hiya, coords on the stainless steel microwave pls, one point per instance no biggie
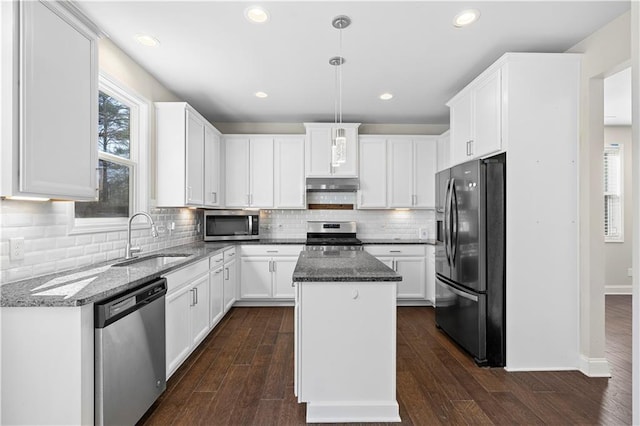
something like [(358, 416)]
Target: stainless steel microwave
[(223, 225)]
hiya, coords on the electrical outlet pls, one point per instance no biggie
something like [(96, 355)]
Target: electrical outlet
[(16, 248), (423, 233), (629, 272)]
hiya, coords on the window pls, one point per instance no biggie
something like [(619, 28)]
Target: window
[(613, 223), (122, 160)]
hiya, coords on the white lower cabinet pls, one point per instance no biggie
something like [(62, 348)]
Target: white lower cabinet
[(230, 279), (431, 274), (216, 289), (187, 315), (266, 271), (410, 261)]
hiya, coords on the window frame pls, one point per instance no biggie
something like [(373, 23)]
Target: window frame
[(619, 149), (138, 161)]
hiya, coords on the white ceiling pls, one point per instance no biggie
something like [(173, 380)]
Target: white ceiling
[(213, 58), (617, 99)]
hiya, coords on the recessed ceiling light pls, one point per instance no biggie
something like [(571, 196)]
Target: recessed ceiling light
[(261, 95), (256, 14), (386, 96), (147, 40), (466, 17)]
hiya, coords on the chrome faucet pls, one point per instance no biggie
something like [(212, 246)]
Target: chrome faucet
[(130, 251)]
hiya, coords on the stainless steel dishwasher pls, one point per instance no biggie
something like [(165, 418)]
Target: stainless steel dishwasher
[(129, 353)]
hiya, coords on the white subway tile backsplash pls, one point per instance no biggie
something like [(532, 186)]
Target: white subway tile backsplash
[(49, 247)]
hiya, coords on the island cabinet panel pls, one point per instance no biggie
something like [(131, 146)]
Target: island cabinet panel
[(346, 351)]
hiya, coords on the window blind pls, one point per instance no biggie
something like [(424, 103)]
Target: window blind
[(613, 193)]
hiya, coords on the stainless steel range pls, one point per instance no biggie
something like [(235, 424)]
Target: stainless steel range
[(332, 236)]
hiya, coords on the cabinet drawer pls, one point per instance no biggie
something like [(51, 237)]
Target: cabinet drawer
[(272, 250), (395, 250), (229, 254), (216, 260), (176, 279)]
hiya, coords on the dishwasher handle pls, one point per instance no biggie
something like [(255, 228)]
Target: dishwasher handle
[(111, 310)]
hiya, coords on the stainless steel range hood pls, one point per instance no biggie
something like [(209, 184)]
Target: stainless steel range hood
[(333, 184)]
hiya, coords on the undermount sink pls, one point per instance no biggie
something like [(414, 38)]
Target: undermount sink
[(154, 259)]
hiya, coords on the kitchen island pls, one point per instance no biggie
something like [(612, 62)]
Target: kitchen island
[(345, 337)]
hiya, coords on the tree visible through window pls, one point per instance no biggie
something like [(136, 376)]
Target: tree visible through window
[(115, 168)]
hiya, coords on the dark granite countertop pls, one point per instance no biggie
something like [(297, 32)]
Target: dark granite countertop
[(380, 241), (99, 281), (342, 266)]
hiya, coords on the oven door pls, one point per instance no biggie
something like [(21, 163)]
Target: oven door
[(461, 314), (230, 227)]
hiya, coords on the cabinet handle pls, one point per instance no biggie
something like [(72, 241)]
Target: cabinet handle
[(272, 251), (232, 254), (248, 200), (193, 298), (395, 251), (189, 193), (270, 266), (195, 290), (218, 271), (215, 197), (470, 147), (226, 274), (274, 266)]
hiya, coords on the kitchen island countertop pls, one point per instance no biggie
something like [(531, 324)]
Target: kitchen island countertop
[(341, 266)]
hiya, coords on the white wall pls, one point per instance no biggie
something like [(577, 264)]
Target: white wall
[(605, 51), (618, 254), (635, 49)]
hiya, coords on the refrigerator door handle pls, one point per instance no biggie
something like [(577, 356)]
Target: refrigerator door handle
[(454, 224), (462, 293), (447, 221)]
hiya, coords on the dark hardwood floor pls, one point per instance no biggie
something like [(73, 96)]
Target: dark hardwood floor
[(242, 374)]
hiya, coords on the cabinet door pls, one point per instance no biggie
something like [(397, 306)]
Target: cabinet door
[(59, 101), (178, 329), (431, 274), (444, 152), (261, 172), (413, 284), (283, 277), (195, 161), (230, 284), (462, 129), (373, 173), (350, 167), (200, 309), (255, 274), (237, 172), (318, 152), (216, 303), (212, 170), (289, 185), (425, 173), (487, 115), (400, 169)]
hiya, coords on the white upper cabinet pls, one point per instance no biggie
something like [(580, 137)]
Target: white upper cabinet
[(397, 172), (185, 143), (212, 168), (476, 119), (373, 176), (411, 167), (195, 159), (444, 151), (249, 169), (289, 184), (318, 149), (49, 102)]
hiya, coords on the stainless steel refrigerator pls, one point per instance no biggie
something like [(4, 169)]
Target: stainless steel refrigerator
[(470, 257)]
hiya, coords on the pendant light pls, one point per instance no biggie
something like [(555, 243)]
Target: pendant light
[(339, 142)]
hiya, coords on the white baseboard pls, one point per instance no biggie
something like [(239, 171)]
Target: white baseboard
[(353, 411), (594, 367), (618, 289)]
